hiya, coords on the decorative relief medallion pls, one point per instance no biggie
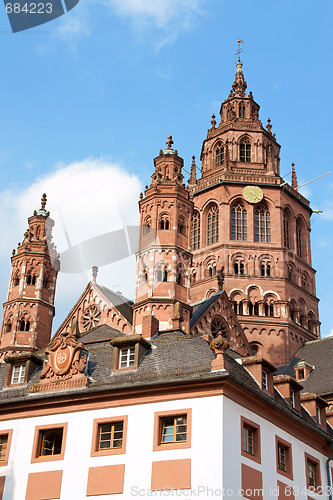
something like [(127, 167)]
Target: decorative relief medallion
[(65, 365)]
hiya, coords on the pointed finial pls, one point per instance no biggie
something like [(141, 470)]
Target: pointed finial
[(169, 142), (43, 200), (193, 176), (239, 85), (42, 210), (94, 273), (269, 126), (294, 183), (213, 122)]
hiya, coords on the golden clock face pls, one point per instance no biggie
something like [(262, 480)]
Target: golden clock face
[(253, 194)]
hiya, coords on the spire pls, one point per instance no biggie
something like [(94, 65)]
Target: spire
[(42, 210), (293, 177), (239, 85), (193, 177)]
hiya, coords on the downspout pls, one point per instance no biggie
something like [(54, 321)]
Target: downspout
[(329, 480)]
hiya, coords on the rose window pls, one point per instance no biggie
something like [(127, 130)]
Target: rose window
[(91, 317), (218, 325)]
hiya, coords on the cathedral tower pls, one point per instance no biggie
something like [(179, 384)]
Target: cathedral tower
[(163, 258), (255, 225), (29, 308)]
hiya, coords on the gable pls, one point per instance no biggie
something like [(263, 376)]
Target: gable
[(97, 306), (214, 314)]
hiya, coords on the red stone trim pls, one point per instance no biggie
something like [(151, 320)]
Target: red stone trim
[(157, 445), (289, 459), (44, 386), (35, 458), (245, 422), (9, 433)]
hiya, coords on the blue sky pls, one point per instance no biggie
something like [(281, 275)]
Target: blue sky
[(89, 99)]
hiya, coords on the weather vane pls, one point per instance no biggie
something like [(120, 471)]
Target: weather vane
[(239, 50)]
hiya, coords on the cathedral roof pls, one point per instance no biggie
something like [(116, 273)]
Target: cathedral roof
[(318, 354)]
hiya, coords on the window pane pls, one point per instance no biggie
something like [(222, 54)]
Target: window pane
[(3, 446)]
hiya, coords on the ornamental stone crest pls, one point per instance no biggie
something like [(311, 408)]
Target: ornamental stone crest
[(65, 366)]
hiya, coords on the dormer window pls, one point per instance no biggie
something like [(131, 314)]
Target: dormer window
[(318, 415), (292, 398), (18, 374), (126, 357)]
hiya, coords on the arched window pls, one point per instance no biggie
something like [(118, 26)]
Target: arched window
[(241, 111), (219, 155), (262, 225), (265, 269), (164, 223), (16, 280), (195, 231), (245, 151), (24, 326), (213, 225), (299, 248), (145, 275), (239, 267), (28, 280), (147, 225), (286, 231), (181, 226), (193, 277), (238, 223), (180, 275), (9, 325)]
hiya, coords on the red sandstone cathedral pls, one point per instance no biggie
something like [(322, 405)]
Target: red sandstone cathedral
[(215, 376), (229, 251)]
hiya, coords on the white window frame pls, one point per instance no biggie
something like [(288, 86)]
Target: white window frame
[(126, 357), (18, 374), (292, 398), (265, 380)]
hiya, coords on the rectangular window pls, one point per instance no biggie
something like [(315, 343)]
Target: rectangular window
[(318, 415), (282, 458), (126, 357), (284, 464), (313, 477), (49, 443), (3, 446), (18, 374), (248, 440), (110, 435), (174, 429), (251, 447), (292, 398)]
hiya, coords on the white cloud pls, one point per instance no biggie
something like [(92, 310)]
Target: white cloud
[(86, 199)]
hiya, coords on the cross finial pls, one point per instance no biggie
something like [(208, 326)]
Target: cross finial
[(169, 142), (43, 200), (239, 50)]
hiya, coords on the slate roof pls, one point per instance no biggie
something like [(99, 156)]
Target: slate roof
[(173, 358), (122, 303), (317, 353), (201, 307)]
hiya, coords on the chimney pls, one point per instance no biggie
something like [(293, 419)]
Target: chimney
[(150, 326)]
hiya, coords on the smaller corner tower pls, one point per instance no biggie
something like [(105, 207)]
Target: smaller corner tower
[(163, 258), (29, 308)]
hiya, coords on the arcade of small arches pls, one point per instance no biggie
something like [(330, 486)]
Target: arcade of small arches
[(299, 277), (205, 226), (164, 223), (162, 273), (30, 278), (239, 264), (243, 152), (253, 304), (24, 323)]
